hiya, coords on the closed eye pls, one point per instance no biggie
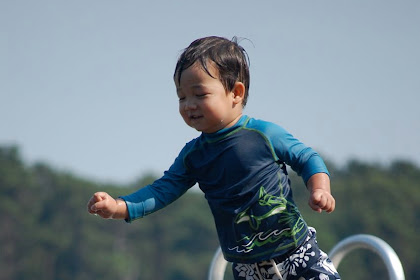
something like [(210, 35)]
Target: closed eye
[(181, 97), (201, 95)]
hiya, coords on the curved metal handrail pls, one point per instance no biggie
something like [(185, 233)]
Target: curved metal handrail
[(377, 245), (217, 266)]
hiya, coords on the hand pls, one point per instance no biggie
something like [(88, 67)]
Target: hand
[(102, 204), (321, 200)]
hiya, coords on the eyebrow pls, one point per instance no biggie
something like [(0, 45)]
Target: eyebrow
[(195, 86)]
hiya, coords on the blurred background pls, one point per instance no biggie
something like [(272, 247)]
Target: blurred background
[(87, 103)]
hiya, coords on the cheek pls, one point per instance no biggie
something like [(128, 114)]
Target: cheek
[(182, 111)]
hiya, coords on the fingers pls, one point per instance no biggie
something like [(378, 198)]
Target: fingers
[(97, 202), (322, 201), (90, 203)]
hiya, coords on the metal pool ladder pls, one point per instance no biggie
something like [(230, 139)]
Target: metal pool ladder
[(365, 241)]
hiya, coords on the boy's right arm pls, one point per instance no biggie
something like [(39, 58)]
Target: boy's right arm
[(104, 205), (175, 182)]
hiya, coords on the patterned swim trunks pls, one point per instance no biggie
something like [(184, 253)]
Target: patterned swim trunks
[(307, 262)]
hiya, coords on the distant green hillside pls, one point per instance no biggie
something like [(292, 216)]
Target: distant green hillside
[(46, 232)]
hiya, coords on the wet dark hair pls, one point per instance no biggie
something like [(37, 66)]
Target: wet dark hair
[(230, 59)]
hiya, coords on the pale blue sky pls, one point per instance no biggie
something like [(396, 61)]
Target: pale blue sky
[(86, 86)]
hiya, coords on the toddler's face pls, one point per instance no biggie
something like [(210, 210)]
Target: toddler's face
[(204, 103)]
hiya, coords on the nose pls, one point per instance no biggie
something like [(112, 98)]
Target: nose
[(189, 104)]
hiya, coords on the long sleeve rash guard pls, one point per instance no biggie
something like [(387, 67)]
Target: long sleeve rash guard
[(242, 172)]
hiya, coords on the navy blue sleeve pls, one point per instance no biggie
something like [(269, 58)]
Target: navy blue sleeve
[(302, 159), (174, 183)]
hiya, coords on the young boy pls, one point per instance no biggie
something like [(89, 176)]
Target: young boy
[(240, 164)]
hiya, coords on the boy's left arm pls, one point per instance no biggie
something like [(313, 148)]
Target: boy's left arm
[(305, 162), (320, 193)]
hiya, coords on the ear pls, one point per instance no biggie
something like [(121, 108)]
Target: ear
[(238, 93)]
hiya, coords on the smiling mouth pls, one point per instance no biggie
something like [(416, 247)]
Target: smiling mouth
[(195, 117)]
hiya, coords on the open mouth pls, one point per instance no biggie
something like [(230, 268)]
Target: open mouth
[(195, 117)]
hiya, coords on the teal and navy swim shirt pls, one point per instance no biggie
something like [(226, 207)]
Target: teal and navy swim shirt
[(242, 172)]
